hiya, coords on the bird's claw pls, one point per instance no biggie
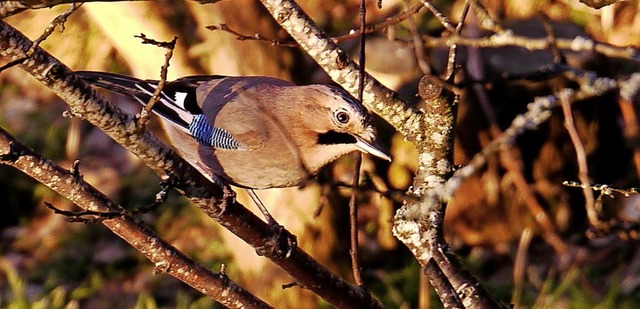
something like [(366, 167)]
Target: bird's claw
[(281, 244)]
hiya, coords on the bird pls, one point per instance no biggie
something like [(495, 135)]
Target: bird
[(253, 132)]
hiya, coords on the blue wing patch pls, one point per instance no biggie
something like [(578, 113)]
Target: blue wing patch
[(211, 136)]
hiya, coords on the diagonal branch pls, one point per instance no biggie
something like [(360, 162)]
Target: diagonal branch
[(165, 257), (419, 223)]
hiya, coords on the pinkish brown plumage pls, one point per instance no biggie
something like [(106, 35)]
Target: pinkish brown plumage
[(254, 132)]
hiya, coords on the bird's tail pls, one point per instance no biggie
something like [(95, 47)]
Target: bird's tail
[(170, 106)]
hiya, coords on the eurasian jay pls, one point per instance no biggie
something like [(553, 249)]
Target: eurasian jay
[(254, 132)]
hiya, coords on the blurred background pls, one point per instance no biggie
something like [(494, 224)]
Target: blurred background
[(494, 222)]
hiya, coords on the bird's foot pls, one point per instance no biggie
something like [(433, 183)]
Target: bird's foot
[(281, 244)]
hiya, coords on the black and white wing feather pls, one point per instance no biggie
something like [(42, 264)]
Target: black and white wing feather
[(177, 103)]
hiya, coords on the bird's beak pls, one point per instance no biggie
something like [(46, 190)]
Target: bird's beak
[(373, 148)]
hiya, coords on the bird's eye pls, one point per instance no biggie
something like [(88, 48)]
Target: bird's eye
[(342, 117)]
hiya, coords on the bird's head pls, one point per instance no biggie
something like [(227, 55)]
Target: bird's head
[(339, 119)]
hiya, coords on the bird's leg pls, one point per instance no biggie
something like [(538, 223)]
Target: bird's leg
[(283, 241), (270, 220)]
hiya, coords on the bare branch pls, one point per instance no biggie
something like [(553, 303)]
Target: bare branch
[(453, 49), (353, 205), (581, 158), (418, 45), (507, 38), (138, 235), (254, 37), (383, 25), (143, 116), (443, 19), (418, 224), (58, 21)]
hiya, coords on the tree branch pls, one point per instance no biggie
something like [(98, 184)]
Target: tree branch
[(165, 257)]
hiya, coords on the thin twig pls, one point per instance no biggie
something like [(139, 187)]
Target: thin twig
[(254, 37), (85, 216), (519, 266), (620, 228), (484, 18), (58, 21), (603, 189), (90, 216), (581, 157), (353, 201), (549, 231), (351, 35), (508, 38), (443, 19), (453, 49), (558, 56), (143, 116), (383, 25), (418, 44), (397, 196)]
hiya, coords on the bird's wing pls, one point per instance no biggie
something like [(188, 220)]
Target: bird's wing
[(177, 104), (235, 104)]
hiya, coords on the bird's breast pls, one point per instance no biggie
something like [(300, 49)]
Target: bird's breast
[(272, 161), (259, 168)]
